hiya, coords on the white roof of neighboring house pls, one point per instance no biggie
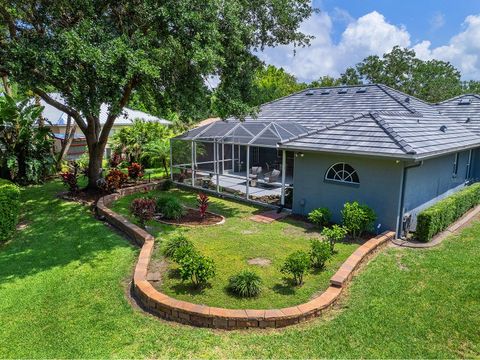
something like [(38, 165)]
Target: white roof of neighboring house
[(59, 118)]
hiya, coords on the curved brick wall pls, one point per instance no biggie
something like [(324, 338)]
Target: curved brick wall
[(213, 317)]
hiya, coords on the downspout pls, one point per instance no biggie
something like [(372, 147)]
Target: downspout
[(401, 211)]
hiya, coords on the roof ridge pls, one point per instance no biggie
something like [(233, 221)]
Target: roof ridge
[(406, 147), (408, 107), (457, 97)]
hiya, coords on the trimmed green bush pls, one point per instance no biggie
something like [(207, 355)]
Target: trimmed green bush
[(170, 207), (196, 268), (175, 243), (333, 235), (320, 217), (245, 284), (357, 218), (9, 208), (296, 264), (438, 217), (319, 253)]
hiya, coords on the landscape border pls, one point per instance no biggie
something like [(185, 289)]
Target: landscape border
[(184, 312)]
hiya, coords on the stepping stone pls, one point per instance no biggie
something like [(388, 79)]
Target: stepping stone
[(269, 216)]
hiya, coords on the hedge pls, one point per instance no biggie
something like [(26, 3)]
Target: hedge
[(9, 208), (439, 216)]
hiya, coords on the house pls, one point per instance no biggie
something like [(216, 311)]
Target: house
[(58, 120), (323, 147)]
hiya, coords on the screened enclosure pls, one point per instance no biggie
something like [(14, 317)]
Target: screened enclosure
[(240, 159)]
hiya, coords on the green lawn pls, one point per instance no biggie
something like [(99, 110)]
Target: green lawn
[(232, 244), (63, 282)]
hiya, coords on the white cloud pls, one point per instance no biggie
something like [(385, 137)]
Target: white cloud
[(463, 50), (370, 34), (437, 21)]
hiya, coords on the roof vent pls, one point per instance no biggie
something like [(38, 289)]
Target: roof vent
[(310, 93), (325, 91), (465, 102), (468, 120), (407, 99), (443, 128), (362, 90), (343, 91)]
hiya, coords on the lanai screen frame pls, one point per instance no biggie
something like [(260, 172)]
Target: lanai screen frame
[(219, 141)]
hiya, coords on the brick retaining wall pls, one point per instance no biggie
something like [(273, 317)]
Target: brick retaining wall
[(213, 317)]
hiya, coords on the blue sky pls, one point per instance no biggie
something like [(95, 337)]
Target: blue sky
[(347, 31)]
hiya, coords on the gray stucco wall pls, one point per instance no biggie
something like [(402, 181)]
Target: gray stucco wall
[(380, 182), (434, 180)]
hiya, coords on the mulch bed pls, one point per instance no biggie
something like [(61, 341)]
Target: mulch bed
[(192, 218)]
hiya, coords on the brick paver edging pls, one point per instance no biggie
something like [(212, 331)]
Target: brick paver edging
[(213, 317)]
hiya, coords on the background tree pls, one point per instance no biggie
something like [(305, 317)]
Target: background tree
[(324, 81), (96, 52)]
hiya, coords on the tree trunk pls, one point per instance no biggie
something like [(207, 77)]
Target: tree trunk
[(67, 141), (165, 166), (95, 153), (6, 85)]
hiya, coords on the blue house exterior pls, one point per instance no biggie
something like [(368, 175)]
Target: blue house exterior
[(371, 144)]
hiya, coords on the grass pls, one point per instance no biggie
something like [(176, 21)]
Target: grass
[(232, 244), (63, 287)]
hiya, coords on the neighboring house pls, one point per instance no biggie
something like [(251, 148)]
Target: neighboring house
[(324, 147), (58, 122)]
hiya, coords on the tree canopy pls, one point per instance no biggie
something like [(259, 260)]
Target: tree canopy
[(99, 51)]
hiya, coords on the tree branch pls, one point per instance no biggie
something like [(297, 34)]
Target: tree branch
[(70, 111)]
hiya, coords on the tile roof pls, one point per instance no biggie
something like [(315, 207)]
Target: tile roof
[(366, 119), (465, 109)]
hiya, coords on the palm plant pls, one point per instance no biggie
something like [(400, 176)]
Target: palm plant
[(26, 145), (158, 151)]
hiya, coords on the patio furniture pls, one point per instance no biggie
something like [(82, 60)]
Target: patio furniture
[(255, 172), (272, 176)]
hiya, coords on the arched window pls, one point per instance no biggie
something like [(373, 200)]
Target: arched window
[(342, 172)]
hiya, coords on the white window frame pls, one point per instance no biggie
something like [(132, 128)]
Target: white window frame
[(344, 178)]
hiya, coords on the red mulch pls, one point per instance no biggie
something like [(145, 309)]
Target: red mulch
[(192, 218)]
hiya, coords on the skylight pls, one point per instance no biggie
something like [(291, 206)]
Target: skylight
[(310, 93), (343, 91), (362, 90), (325, 91), (465, 102)]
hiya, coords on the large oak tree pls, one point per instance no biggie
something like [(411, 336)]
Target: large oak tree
[(100, 51)]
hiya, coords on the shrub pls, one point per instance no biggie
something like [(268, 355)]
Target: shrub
[(320, 216), (167, 185), (174, 243), (296, 264), (114, 180), (196, 268), (203, 201), (438, 217), (245, 284), (319, 253), (170, 207), (143, 209), (357, 218), (135, 171), (70, 180), (333, 235), (115, 160), (9, 208)]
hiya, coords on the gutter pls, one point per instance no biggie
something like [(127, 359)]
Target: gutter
[(401, 210)]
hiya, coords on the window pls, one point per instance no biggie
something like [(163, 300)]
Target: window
[(342, 172), (455, 166)]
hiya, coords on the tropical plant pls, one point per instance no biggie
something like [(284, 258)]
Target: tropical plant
[(157, 152), (170, 207), (245, 284), (320, 217), (296, 264), (203, 202), (135, 171), (143, 209), (319, 253), (333, 235), (26, 154), (357, 218), (174, 243), (70, 178), (196, 268), (114, 180)]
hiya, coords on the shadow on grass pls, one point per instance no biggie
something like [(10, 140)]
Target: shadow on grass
[(287, 287), (187, 288), (59, 233)]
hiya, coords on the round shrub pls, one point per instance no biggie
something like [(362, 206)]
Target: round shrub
[(296, 264), (9, 208), (333, 235), (185, 251), (196, 268), (320, 216), (170, 207), (143, 209), (319, 253), (135, 171), (358, 218), (174, 243), (245, 284)]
